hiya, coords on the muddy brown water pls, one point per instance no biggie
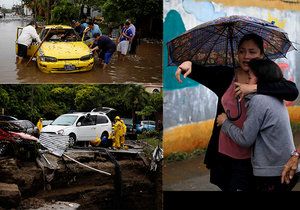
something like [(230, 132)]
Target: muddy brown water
[(145, 67)]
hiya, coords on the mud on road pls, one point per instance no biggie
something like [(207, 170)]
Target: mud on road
[(131, 185)]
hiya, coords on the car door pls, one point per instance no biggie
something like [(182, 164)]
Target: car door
[(103, 124), (86, 130)]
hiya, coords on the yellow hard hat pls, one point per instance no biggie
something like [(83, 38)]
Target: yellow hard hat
[(117, 118)]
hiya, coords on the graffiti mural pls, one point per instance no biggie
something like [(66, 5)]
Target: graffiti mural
[(190, 102)]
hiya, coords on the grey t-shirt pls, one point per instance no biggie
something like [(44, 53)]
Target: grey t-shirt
[(268, 131)]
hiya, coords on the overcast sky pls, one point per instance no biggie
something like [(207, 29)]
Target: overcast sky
[(9, 3)]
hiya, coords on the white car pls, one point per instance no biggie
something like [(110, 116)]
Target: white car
[(80, 127)]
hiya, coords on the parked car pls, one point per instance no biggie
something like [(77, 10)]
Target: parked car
[(13, 132), (130, 130), (145, 125), (80, 126), (28, 127), (63, 51), (47, 122), (7, 118), (13, 141)]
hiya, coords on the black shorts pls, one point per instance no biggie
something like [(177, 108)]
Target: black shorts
[(22, 50)]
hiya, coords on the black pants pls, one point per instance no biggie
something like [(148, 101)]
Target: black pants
[(232, 175), (133, 47), (273, 184), (22, 50)]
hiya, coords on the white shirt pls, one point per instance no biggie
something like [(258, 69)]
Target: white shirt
[(28, 33), (132, 28)]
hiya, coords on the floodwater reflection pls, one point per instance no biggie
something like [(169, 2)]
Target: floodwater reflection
[(145, 67)]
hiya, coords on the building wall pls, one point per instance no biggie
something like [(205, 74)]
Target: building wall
[(151, 88)]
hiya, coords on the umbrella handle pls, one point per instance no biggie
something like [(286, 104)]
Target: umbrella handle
[(238, 104)]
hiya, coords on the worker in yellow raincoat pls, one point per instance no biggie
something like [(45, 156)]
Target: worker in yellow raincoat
[(118, 132), (124, 129), (39, 125)]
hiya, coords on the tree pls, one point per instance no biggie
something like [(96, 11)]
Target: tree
[(41, 8), (4, 98), (156, 101), (147, 111), (135, 98), (64, 12), (50, 101), (153, 107), (88, 97)]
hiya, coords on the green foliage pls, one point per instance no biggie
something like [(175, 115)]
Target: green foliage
[(119, 10), (149, 134), (51, 109), (5, 10), (4, 98), (64, 12), (147, 111), (88, 98), (156, 101), (179, 156), (136, 97), (151, 143), (49, 101)]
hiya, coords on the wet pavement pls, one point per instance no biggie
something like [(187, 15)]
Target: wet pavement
[(187, 175), (192, 175), (145, 67)]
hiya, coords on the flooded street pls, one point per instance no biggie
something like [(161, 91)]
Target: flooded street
[(145, 67)]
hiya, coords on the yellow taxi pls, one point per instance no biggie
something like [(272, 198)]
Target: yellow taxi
[(61, 51)]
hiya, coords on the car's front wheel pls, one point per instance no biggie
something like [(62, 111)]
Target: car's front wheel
[(72, 139)]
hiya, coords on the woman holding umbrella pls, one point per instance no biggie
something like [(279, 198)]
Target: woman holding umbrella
[(230, 164)]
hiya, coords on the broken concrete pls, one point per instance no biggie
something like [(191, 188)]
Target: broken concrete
[(130, 186), (10, 195)]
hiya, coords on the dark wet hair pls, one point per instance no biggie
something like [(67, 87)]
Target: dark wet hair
[(265, 70), (255, 38), (90, 23), (127, 23), (96, 35), (33, 23)]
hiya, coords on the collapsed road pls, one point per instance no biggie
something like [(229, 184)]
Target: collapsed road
[(81, 178)]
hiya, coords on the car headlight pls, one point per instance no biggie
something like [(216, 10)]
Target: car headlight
[(48, 59), (86, 57), (61, 132)]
